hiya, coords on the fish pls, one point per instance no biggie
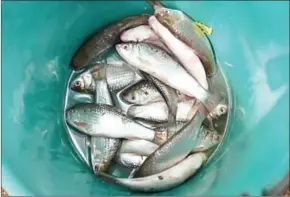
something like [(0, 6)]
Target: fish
[(145, 34), (156, 62), (215, 114), (186, 55), (206, 140), (158, 111), (138, 147), (117, 77), (129, 160), (170, 97), (98, 44), (186, 30), (103, 149), (164, 180), (102, 120), (143, 93), (176, 148)]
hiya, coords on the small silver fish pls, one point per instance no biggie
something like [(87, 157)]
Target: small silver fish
[(156, 62), (106, 121), (129, 160), (175, 148), (144, 92), (158, 111), (103, 149), (186, 30), (165, 180), (138, 147), (117, 77), (185, 54)]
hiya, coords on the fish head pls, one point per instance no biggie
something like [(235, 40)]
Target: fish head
[(220, 110), (84, 83), (168, 17), (136, 95), (75, 117), (125, 49)]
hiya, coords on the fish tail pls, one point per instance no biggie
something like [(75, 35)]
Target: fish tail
[(107, 178), (155, 4)]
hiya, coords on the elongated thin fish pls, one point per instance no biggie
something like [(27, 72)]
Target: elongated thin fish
[(138, 147), (103, 149), (98, 44), (156, 62), (175, 148), (183, 52), (129, 160), (167, 179), (117, 77), (144, 92), (145, 34), (106, 121), (158, 111), (186, 30), (170, 96)]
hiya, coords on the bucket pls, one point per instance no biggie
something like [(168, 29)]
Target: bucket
[(251, 41)]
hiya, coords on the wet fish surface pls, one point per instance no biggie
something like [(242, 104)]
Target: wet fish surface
[(167, 179), (116, 77), (186, 30), (106, 121), (103, 149), (156, 62), (158, 111), (175, 148), (130, 160), (98, 44), (186, 55), (139, 147)]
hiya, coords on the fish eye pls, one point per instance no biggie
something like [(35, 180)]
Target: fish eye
[(78, 83), (166, 11), (146, 93), (133, 97), (125, 47), (222, 110)]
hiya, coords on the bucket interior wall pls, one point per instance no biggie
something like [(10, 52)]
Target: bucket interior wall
[(251, 41)]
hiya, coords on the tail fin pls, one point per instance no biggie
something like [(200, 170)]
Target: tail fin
[(155, 4)]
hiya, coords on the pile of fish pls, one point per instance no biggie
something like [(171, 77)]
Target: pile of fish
[(152, 110)]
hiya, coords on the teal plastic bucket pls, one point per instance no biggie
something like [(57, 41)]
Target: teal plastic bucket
[(251, 41)]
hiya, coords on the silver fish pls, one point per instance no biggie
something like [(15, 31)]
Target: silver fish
[(144, 92), (117, 77), (129, 160), (175, 148), (158, 111), (145, 34), (167, 179), (156, 62), (186, 30), (106, 121), (170, 97), (103, 149), (98, 44), (138, 147), (185, 54)]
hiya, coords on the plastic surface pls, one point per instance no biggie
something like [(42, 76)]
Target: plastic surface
[(251, 40)]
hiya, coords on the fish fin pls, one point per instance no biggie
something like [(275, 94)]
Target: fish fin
[(132, 173), (155, 4), (107, 178), (205, 28)]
